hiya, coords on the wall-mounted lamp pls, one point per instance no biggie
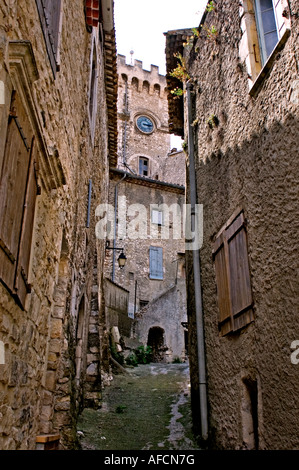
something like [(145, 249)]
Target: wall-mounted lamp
[(122, 257)]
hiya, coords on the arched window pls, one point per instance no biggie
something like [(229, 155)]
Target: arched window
[(146, 86), (135, 83), (157, 89)]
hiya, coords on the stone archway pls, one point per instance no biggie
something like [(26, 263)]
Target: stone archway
[(156, 341)]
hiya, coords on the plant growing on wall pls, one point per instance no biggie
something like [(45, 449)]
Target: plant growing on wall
[(210, 6), (212, 121), (180, 72)]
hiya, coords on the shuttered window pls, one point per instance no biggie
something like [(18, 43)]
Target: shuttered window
[(270, 25), (50, 17), (157, 217), (156, 262), (233, 276), (18, 190)]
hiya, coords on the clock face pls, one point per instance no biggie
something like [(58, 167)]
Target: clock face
[(145, 124)]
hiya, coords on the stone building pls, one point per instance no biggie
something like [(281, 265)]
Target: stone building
[(239, 116), (147, 197), (57, 102)]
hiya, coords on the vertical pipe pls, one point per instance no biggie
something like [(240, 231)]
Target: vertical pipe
[(135, 299), (115, 221), (197, 279), (89, 203)]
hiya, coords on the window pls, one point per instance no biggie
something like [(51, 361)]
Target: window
[(18, 190), (269, 25), (265, 29), (50, 17), (143, 303), (143, 166), (157, 217), (156, 262), (233, 276)]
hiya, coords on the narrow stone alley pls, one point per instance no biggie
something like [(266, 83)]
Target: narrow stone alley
[(145, 408)]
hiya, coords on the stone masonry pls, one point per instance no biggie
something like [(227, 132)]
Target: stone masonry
[(66, 90)]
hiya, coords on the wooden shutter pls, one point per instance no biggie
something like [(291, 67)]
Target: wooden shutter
[(49, 14), (233, 276), (32, 189), (156, 262), (12, 189), (17, 200), (223, 286)]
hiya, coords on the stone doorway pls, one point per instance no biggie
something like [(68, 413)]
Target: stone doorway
[(156, 341)]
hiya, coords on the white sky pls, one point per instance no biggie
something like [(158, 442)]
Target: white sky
[(140, 26)]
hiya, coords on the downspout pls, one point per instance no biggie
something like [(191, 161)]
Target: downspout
[(115, 220), (197, 279), (125, 124)]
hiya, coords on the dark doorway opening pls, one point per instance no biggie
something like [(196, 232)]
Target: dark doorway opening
[(250, 415), (157, 342)]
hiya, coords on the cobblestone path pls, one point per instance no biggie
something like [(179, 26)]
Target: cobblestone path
[(147, 408)]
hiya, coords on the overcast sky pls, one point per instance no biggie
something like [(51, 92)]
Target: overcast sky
[(140, 26)]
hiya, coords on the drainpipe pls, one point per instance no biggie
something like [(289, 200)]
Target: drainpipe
[(115, 220), (197, 280)]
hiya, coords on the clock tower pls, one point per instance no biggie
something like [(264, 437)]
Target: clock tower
[(143, 134)]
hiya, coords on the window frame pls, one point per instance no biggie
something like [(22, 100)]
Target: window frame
[(276, 6), (141, 161), (233, 276), (249, 47), (160, 220)]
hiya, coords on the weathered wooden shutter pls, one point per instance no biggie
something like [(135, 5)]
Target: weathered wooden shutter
[(22, 285), (12, 189), (16, 200), (156, 262), (49, 14), (223, 285), (233, 276)]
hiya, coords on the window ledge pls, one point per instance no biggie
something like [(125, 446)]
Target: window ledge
[(268, 65)]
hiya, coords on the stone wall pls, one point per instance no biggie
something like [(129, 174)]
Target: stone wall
[(247, 159), (135, 276), (41, 380)]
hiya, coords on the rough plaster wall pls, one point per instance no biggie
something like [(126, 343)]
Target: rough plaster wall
[(29, 371), (250, 160)]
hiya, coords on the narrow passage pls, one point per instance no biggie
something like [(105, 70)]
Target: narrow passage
[(146, 409)]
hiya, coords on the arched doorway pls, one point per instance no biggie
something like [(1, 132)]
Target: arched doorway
[(156, 341)]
